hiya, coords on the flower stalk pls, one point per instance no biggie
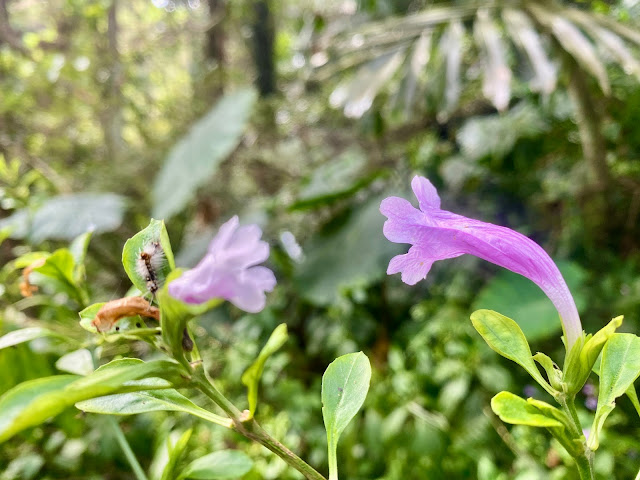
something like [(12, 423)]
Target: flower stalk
[(251, 429)]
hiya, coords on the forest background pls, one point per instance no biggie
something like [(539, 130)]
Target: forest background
[(301, 117)]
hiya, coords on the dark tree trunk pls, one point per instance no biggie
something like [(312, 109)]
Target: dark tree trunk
[(263, 54), (214, 47)]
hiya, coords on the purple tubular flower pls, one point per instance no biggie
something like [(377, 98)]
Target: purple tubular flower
[(437, 234), (229, 270)]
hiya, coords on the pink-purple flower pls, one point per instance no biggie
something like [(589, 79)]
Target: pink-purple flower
[(229, 270), (437, 234)]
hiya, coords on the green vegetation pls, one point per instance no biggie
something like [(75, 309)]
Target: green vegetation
[(301, 117)]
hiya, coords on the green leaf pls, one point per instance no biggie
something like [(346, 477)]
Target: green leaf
[(155, 232), (519, 298), (554, 374), (505, 337), (633, 396), (24, 335), (517, 411), (550, 411), (78, 362), (336, 179), (217, 465), (356, 95), (175, 452), (619, 368), (195, 158), (574, 42), (350, 252), (88, 314), (59, 270), (67, 216), (251, 377), (495, 136), (34, 401), (345, 384), (169, 400), (78, 249), (583, 356)]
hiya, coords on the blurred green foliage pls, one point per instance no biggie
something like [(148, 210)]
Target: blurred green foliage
[(99, 97)]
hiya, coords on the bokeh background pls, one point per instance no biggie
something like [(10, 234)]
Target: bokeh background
[(301, 117)]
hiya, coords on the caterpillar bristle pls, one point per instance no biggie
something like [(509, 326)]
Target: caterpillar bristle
[(150, 261)]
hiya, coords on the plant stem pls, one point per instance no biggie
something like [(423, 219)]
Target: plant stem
[(251, 429), (584, 459), (126, 448), (585, 468)]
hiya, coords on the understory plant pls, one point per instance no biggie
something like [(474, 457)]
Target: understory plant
[(436, 234), (164, 301)]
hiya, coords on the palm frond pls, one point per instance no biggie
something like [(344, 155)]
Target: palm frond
[(544, 32)]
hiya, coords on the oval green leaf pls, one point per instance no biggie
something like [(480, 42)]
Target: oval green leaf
[(345, 384), (505, 337), (619, 368), (218, 465), (517, 411)]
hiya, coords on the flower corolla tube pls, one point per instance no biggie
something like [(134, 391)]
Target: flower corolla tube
[(229, 270), (436, 234)]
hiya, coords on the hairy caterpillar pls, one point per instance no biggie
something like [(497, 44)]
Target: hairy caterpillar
[(149, 262), (111, 312)]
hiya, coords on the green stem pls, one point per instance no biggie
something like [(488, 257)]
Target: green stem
[(585, 468), (584, 459), (333, 461), (126, 448), (251, 429)]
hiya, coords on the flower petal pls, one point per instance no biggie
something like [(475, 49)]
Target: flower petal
[(425, 192), (227, 270), (225, 232)]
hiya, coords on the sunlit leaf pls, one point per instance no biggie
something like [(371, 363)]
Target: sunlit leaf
[(517, 411), (357, 95), (611, 43), (451, 45), (496, 85), (418, 60), (527, 38), (574, 42)]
